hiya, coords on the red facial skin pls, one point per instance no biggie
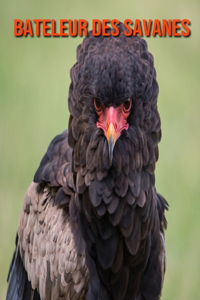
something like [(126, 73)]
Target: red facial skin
[(116, 116)]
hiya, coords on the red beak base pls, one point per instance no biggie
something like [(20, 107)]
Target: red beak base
[(112, 121)]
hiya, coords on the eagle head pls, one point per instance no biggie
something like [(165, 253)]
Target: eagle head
[(114, 123)]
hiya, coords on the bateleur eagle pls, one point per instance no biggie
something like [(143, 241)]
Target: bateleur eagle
[(92, 224)]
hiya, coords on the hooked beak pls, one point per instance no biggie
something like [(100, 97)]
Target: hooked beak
[(111, 137), (112, 121)]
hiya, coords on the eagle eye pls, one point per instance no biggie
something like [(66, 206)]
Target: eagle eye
[(127, 106), (97, 104)]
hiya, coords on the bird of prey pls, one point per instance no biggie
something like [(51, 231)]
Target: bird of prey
[(92, 224)]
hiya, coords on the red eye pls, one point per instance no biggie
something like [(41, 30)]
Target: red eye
[(127, 106), (97, 105)]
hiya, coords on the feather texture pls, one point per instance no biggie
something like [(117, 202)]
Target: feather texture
[(90, 229)]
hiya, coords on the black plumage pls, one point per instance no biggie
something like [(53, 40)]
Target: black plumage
[(92, 225)]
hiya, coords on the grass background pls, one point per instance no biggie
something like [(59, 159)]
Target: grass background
[(34, 81)]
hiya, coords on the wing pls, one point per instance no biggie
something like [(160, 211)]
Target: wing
[(153, 276), (49, 260)]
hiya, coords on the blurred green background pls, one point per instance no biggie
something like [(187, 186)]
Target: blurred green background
[(34, 81)]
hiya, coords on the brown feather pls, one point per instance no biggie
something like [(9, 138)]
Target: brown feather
[(55, 246)]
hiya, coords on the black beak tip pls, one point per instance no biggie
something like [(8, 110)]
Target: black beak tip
[(111, 145)]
